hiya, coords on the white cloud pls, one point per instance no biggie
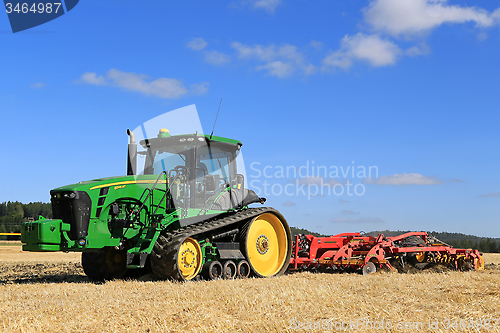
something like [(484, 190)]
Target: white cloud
[(267, 5), (385, 21), (349, 212), (407, 18), (490, 195), (403, 179), (410, 17), (278, 68), (496, 15), (317, 45), (38, 85), (197, 44), (280, 61), (199, 89), (358, 220), (92, 78), (161, 87), (369, 48), (216, 58), (417, 50), (268, 53)]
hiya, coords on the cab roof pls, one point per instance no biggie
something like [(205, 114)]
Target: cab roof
[(191, 139)]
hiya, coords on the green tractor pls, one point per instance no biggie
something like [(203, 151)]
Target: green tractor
[(185, 217)]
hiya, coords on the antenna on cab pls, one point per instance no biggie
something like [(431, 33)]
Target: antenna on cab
[(216, 119)]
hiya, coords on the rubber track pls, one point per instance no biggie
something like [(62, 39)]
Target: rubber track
[(164, 254)]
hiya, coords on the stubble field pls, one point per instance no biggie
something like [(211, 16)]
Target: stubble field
[(48, 292)]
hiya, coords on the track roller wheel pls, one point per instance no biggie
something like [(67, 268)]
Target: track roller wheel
[(229, 270), (212, 270), (369, 268), (179, 259), (266, 244), (106, 264), (243, 269)]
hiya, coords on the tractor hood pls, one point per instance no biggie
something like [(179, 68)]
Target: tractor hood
[(92, 198), (83, 207), (118, 182)]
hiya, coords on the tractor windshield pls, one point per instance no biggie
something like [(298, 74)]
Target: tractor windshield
[(217, 162), (166, 158), (167, 161), (206, 158)]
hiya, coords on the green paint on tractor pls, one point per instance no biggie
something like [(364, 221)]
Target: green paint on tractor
[(186, 215)]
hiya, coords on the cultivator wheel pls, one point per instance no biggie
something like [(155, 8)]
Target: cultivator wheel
[(266, 244), (479, 263), (106, 264), (179, 259), (421, 257), (369, 268)]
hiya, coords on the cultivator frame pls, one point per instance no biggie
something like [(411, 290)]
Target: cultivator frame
[(354, 251)]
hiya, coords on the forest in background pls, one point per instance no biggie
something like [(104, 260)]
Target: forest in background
[(13, 213)]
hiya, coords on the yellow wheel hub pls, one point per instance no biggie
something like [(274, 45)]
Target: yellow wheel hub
[(420, 257), (267, 244), (262, 244), (190, 258)]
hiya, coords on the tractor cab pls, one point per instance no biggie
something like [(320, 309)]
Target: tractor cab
[(200, 170)]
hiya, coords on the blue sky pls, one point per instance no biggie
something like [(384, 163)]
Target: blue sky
[(410, 87)]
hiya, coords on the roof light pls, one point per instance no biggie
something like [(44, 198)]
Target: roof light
[(164, 133)]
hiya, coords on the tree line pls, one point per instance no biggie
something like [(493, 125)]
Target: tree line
[(13, 213)]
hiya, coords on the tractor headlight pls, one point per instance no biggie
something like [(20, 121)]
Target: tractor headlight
[(82, 241)]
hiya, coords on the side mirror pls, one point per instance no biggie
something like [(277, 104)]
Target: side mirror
[(210, 183)]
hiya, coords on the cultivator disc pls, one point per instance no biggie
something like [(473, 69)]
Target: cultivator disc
[(369, 268)]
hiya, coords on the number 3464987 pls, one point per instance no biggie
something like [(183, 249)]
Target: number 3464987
[(34, 8)]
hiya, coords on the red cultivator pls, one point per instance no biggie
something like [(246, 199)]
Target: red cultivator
[(352, 251)]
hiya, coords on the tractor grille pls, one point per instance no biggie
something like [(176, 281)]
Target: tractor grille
[(73, 207)]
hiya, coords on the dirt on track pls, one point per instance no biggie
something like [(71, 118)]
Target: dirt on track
[(45, 296)]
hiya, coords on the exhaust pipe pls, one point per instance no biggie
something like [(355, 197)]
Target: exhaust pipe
[(132, 154), (132, 136)]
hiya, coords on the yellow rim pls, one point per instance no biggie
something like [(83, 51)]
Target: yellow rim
[(190, 258), (480, 264), (267, 244), (420, 256)]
